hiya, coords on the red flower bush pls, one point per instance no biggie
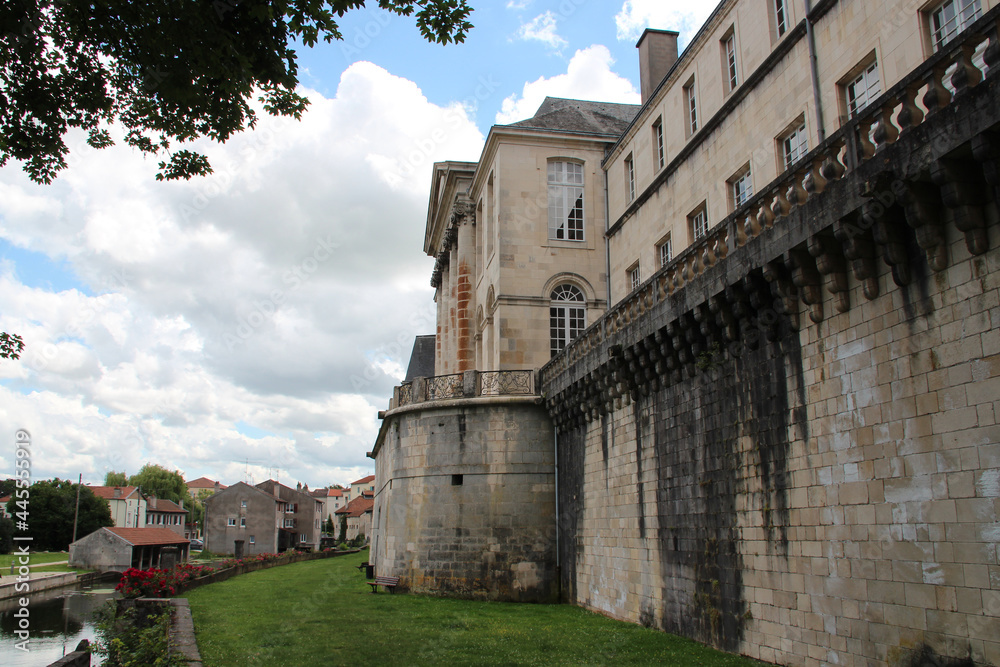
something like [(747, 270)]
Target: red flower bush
[(157, 583)]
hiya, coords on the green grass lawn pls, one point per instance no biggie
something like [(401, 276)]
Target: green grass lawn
[(323, 613), (35, 558)]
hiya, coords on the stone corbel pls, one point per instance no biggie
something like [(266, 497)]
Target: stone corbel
[(886, 226), (925, 214), (859, 249), (962, 187), (806, 278), (783, 290), (830, 262)]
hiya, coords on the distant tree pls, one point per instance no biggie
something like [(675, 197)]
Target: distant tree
[(6, 535), (113, 478), (7, 487), (52, 504), (156, 480), (328, 526), (166, 72), (343, 529)]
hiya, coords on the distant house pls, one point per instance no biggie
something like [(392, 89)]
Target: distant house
[(127, 504), (266, 518), (118, 549), (196, 486), (3, 506), (332, 499), (363, 485), (359, 516), (162, 513)]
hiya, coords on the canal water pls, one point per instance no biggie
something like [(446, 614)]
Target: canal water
[(59, 619)]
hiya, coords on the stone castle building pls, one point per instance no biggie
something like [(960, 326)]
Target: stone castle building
[(727, 363)]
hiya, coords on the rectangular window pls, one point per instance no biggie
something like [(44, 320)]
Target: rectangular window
[(952, 17), (243, 522), (698, 222), (661, 156), (253, 539), (665, 251), (630, 177), (862, 89), (243, 503), (794, 146), (691, 105), (634, 277), (565, 201), (741, 188), (232, 521), (780, 17), (729, 55), (303, 537), (288, 523)]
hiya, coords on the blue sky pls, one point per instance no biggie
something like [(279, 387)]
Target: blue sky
[(252, 323)]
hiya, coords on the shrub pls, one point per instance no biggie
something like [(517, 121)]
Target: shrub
[(157, 583), (124, 641)]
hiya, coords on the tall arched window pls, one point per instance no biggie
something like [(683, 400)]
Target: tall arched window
[(567, 316)]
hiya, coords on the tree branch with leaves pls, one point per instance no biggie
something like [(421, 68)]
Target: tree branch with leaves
[(166, 72)]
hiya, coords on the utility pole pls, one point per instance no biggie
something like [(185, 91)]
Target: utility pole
[(76, 515)]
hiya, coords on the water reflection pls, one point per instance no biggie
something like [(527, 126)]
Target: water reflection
[(59, 619)]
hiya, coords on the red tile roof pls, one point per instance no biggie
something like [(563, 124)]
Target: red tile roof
[(203, 483), (335, 493), (357, 507), (108, 492), (364, 480), (163, 505), (147, 536)]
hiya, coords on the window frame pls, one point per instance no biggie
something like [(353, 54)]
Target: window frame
[(961, 20), (659, 145), (790, 152), (634, 277), (630, 178), (740, 186), (730, 61), (567, 316), (571, 224), (231, 522), (691, 107), (665, 242), (700, 213), (849, 87), (779, 11)]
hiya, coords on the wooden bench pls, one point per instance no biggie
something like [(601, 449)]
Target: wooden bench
[(385, 582)]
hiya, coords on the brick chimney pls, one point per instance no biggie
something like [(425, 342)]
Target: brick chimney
[(117, 493), (657, 54)]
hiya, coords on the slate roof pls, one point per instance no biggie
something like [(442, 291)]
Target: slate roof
[(147, 536), (557, 113), (421, 358), (357, 507)]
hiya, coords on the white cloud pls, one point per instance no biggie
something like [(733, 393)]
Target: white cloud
[(588, 77), (282, 292), (684, 17), (518, 5), (542, 29)]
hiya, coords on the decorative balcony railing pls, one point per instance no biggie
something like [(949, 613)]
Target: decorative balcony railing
[(470, 384), (947, 76)]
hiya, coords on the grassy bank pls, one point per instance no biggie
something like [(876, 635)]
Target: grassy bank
[(323, 613)]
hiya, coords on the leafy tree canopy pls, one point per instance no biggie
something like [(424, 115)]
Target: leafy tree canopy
[(113, 478), (168, 72), (156, 480), (52, 505), (7, 487)]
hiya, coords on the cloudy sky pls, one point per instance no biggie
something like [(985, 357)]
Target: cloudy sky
[(251, 324)]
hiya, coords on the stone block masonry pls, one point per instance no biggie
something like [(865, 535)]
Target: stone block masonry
[(792, 451)]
